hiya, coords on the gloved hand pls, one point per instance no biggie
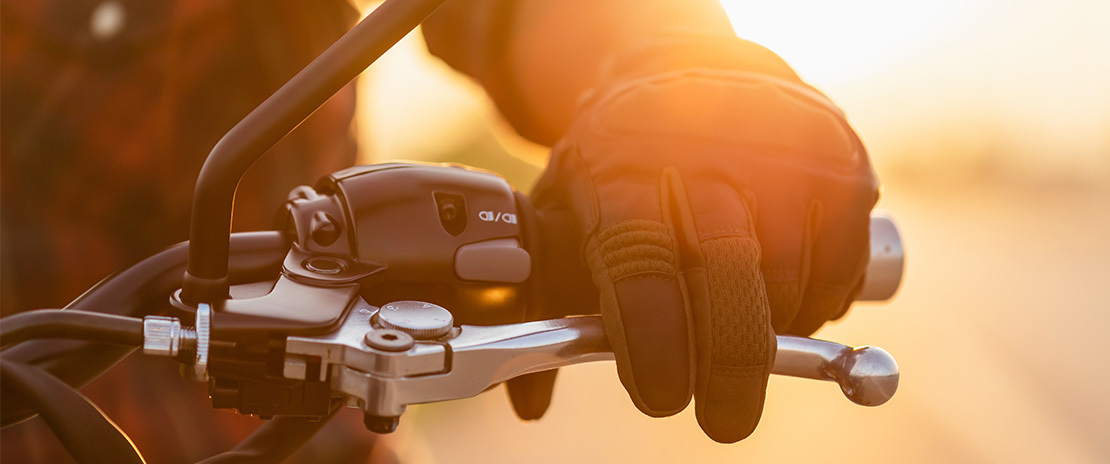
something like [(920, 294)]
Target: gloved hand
[(709, 209)]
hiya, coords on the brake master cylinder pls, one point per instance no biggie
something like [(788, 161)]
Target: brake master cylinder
[(440, 233)]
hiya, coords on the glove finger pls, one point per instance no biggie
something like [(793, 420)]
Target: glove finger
[(530, 394), (821, 303), (634, 265), (784, 227), (838, 263), (735, 342), (852, 297), (559, 286), (630, 253)]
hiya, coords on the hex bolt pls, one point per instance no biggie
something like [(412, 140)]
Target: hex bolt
[(389, 340), (323, 265)]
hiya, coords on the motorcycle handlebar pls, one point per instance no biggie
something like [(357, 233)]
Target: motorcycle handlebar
[(884, 270)]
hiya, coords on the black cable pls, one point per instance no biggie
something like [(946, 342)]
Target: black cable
[(140, 290), (206, 278), (273, 441), (71, 324), (83, 429), (137, 291)]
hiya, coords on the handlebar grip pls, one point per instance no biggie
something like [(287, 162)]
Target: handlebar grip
[(884, 270)]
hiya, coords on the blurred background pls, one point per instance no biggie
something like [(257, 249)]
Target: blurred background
[(989, 124)]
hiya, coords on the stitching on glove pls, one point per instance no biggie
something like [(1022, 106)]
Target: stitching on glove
[(722, 232), (580, 172), (736, 372)]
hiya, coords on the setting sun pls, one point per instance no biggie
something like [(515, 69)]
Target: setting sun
[(838, 41)]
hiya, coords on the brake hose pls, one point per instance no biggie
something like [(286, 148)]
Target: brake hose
[(83, 429), (137, 291), (72, 325)]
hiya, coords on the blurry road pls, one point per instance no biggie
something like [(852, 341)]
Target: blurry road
[(999, 331), (988, 122)]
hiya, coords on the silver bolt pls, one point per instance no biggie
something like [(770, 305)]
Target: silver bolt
[(389, 340)]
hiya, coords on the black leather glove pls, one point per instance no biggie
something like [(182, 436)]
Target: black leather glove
[(710, 209)]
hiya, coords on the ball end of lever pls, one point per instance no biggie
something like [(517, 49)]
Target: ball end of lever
[(868, 375)]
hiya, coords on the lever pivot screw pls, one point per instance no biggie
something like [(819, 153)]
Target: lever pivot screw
[(389, 340), (325, 266)]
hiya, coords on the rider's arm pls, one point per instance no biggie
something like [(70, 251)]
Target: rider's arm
[(536, 58), (715, 199)]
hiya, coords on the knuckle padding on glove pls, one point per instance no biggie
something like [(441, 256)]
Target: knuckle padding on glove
[(636, 246), (784, 119)]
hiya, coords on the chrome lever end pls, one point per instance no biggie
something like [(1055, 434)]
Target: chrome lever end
[(867, 375)]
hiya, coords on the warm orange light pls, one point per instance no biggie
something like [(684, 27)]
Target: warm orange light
[(834, 41), (496, 296), (955, 87)]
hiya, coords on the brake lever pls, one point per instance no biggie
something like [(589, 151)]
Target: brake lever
[(382, 360)]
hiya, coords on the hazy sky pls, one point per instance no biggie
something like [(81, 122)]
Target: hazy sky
[(947, 88)]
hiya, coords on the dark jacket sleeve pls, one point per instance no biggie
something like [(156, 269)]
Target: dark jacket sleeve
[(537, 58)]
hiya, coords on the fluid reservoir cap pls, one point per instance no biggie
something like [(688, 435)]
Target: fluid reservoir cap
[(424, 321)]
